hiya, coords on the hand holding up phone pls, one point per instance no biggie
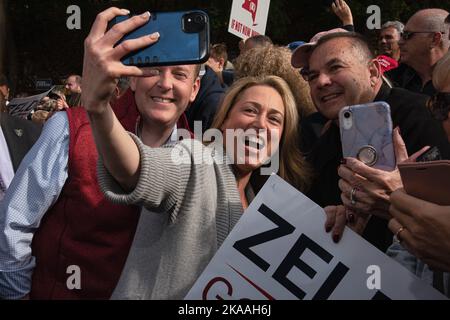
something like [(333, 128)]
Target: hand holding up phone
[(370, 188), (102, 64)]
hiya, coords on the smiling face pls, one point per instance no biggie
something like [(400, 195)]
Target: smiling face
[(254, 124), (388, 42), (164, 96), (340, 76)]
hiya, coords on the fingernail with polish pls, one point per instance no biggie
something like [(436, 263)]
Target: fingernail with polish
[(336, 238), (155, 36), (351, 218), (328, 229)]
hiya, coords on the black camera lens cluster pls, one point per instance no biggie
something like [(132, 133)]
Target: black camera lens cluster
[(194, 22)]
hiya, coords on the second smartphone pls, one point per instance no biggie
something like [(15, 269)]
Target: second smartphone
[(366, 134)]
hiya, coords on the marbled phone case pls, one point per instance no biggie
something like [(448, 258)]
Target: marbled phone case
[(369, 125)]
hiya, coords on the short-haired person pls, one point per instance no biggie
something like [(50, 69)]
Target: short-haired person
[(54, 214), (201, 198), (388, 38), (341, 71), (424, 41), (218, 57), (73, 84)]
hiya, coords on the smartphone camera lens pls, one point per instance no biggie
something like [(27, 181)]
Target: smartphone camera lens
[(347, 115), (198, 19), (194, 22)]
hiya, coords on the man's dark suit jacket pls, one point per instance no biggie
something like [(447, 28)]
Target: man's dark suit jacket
[(20, 135)]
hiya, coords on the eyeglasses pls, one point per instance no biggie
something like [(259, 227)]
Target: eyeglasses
[(440, 106), (406, 35)]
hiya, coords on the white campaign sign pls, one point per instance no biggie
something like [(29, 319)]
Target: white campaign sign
[(279, 250), (249, 17)]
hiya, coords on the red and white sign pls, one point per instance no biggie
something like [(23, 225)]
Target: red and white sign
[(249, 18), (279, 250)]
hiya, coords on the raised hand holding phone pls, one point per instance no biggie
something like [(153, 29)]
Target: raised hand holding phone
[(184, 39), (102, 64), (370, 188)]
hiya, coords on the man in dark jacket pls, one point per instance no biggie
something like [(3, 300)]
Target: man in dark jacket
[(424, 42), (208, 100), (342, 71)]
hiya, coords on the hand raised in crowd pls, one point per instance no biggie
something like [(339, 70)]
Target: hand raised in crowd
[(423, 228), (102, 59), (343, 11), (366, 190)]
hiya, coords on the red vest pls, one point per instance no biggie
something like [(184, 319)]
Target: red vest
[(83, 229)]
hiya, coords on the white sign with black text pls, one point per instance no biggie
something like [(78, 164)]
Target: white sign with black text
[(279, 250), (249, 18)]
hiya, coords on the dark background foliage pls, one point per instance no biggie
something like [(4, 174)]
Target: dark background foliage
[(39, 45)]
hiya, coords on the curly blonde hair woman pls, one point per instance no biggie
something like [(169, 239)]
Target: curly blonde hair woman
[(276, 60)]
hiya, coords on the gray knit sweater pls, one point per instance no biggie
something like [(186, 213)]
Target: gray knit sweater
[(198, 204)]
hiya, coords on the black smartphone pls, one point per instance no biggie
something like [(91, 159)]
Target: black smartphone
[(184, 39)]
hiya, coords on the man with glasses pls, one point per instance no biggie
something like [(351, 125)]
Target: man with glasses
[(424, 41), (341, 70)]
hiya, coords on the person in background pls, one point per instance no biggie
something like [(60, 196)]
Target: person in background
[(218, 57), (73, 92), (17, 136), (424, 41), (4, 89), (203, 109), (388, 39), (73, 84)]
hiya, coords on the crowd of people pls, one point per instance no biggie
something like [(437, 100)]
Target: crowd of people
[(91, 180)]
